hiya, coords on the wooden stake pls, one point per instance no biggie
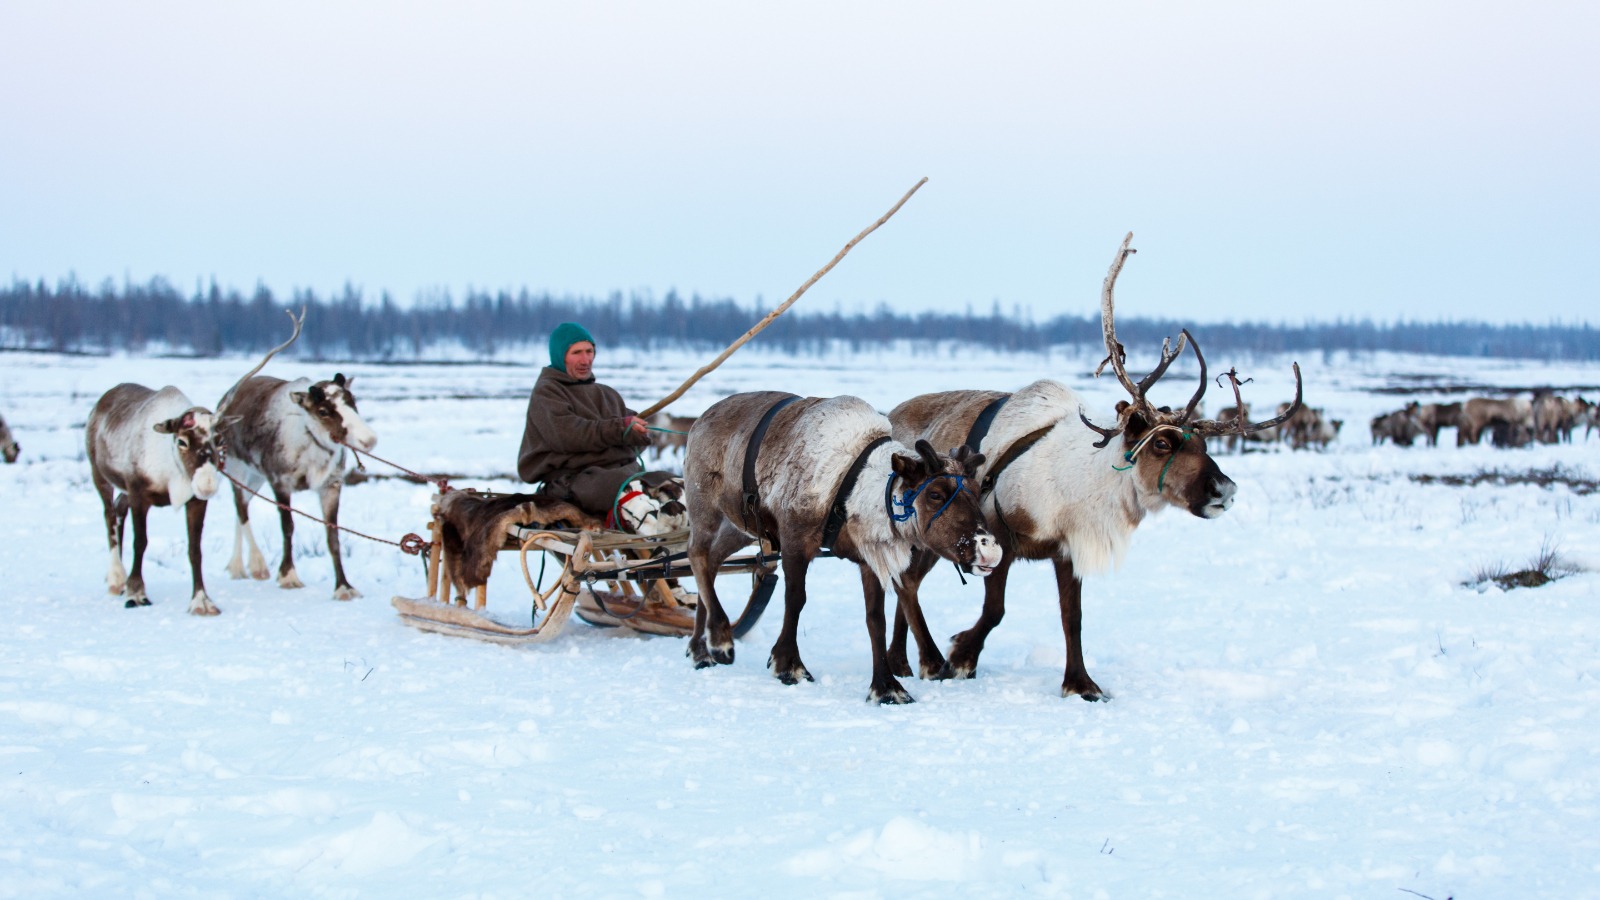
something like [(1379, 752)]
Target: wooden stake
[(706, 370)]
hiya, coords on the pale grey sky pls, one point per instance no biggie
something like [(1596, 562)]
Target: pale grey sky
[(1277, 161)]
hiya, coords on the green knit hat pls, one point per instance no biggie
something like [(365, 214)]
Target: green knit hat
[(562, 339)]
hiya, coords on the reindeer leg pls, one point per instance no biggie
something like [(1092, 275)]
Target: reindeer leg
[(244, 536), (712, 641), (116, 511), (195, 514), (968, 645), (885, 687), (136, 595), (908, 614), (287, 576), (784, 662), (330, 513), (1076, 679)]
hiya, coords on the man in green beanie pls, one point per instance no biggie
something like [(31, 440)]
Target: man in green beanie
[(580, 439)]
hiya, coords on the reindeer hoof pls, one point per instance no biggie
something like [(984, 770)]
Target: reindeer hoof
[(793, 674), (136, 602), (1092, 694), (942, 673), (346, 593), (289, 580), (895, 695)]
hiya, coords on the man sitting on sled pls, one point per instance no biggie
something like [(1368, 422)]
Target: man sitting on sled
[(583, 443)]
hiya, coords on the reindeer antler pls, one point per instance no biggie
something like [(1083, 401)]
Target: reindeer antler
[(228, 397), (1115, 354), (1213, 428)]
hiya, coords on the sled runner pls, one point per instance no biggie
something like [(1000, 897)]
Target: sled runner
[(606, 577)]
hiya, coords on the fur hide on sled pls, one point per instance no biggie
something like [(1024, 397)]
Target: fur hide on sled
[(474, 529)]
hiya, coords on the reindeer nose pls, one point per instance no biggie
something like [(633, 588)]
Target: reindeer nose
[(1222, 491)]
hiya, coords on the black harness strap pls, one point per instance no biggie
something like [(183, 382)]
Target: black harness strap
[(836, 513), (1009, 457), (752, 498), (980, 426)]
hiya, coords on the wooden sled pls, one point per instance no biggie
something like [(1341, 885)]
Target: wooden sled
[(608, 578)]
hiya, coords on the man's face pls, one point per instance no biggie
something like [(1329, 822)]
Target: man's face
[(580, 359)]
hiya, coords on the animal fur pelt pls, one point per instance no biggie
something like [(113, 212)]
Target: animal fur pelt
[(474, 529)]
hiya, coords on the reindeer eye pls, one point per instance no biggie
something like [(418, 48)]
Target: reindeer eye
[(183, 444), (1163, 445)]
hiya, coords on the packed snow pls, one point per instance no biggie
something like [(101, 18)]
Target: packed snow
[(1311, 694)]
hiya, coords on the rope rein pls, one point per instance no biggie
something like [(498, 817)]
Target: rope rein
[(1132, 456), (907, 499)]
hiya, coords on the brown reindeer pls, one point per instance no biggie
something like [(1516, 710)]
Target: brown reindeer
[(1508, 421), (1402, 427), (1058, 487), (673, 436), (822, 460), (9, 448), (156, 448), (1434, 416), (293, 436)]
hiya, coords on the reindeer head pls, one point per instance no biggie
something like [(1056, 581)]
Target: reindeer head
[(333, 407), (1166, 451), (197, 440), (939, 502)]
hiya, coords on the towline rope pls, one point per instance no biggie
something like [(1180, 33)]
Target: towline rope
[(411, 544), (441, 482)]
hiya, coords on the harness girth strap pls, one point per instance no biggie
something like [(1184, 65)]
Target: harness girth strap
[(836, 513), (1009, 457), (752, 498)]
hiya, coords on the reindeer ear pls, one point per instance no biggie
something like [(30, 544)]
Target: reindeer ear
[(1136, 424), (906, 467), (301, 398), (175, 424)]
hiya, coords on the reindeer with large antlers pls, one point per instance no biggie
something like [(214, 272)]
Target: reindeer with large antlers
[(1057, 486), (156, 448)]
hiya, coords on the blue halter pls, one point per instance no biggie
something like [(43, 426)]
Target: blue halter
[(906, 500)]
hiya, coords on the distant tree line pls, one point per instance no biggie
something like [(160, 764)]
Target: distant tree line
[(213, 321)]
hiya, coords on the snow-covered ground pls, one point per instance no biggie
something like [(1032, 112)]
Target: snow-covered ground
[(1307, 699)]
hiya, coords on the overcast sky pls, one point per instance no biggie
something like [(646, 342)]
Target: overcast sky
[(1275, 161)]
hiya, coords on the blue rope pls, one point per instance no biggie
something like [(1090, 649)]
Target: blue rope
[(909, 498)]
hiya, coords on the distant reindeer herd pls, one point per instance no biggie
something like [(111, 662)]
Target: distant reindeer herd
[(1544, 418)]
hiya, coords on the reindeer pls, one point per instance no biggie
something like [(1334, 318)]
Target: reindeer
[(157, 448), (1052, 491), (293, 435), (673, 435), (9, 448), (804, 462), (1233, 441), (1509, 421), (1401, 426), (1434, 416)]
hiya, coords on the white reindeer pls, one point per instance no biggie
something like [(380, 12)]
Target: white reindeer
[(156, 448), (293, 435)]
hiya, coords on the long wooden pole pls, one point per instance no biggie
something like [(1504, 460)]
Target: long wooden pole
[(706, 369)]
